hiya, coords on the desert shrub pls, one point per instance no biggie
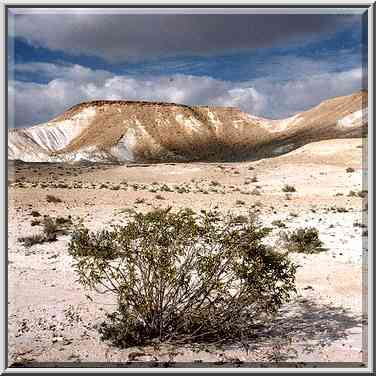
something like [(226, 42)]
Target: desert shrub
[(31, 240), (64, 222), (350, 169), (53, 199), (303, 240), (51, 228), (240, 202), (288, 188), (359, 224), (166, 188), (35, 222), (279, 223), (254, 179), (35, 213), (240, 219), (362, 194), (256, 192), (341, 210), (183, 276), (352, 194), (159, 197), (55, 226), (182, 190)]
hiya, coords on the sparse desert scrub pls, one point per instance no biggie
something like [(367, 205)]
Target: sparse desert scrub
[(183, 276), (53, 199), (288, 188), (31, 240), (35, 222), (349, 170), (362, 194), (166, 188), (303, 240), (35, 213), (51, 228), (341, 210), (256, 192), (279, 223), (359, 224)]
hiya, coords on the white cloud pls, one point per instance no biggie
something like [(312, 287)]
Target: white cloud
[(65, 71), (31, 103)]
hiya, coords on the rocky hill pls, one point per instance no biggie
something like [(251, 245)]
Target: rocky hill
[(133, 131)]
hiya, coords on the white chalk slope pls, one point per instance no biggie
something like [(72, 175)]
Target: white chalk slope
[(106, 131)]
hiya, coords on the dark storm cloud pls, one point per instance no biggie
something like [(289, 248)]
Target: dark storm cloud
[(124, 37)]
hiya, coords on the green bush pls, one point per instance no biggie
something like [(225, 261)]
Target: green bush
[(183, 276), (303, 240)]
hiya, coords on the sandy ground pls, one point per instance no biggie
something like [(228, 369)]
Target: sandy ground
[(53, 319)]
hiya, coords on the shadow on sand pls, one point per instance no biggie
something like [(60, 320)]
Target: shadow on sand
[(303, 323)]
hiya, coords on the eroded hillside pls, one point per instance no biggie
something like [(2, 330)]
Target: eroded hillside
[(128, 131)]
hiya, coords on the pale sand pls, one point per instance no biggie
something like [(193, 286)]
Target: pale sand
[(323, 323)]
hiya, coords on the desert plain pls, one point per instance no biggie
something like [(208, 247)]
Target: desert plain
[(53, 320)]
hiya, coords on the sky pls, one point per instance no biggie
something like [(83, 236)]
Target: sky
[(269, 65)]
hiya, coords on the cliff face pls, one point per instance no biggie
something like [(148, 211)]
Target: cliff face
[(127, 131)]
